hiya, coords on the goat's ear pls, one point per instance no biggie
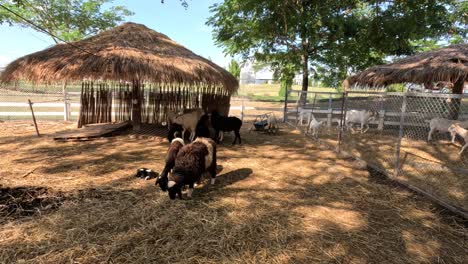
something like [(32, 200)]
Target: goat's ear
[(171, 184)]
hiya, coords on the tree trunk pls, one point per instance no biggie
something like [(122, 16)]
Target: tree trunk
[(305, 77), (454, 104)]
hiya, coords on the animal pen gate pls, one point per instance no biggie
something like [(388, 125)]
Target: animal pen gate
[(397, 142)]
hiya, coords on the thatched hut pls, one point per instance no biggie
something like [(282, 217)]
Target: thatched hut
[(131, 70), (449, 64)]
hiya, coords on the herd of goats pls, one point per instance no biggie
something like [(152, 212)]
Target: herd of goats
[(364, 117), (185, 164)]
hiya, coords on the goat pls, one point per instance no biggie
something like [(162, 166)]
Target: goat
[(203, 127), (189, 122), (456, 129), (359, 116), (145, 173), (303, 113), (175, 131), (192, 161), (174, 148), (314, 125), (442, 125), (272, 124), (226, 124)]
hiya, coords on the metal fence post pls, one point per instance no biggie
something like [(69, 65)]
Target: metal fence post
[(342, 119), (400, 136)]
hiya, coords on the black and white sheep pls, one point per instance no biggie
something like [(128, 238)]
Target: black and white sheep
[(174, 148), (226, 124), (192, 161)]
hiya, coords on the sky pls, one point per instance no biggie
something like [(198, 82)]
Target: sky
[(185, 26)]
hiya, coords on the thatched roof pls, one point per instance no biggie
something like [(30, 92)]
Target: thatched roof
[(447, 64), (125, 53)]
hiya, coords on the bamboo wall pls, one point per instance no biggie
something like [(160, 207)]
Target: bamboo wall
[(104, 102)]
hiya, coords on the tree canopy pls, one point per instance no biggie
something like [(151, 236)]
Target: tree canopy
[(334, 37), (69, 20)]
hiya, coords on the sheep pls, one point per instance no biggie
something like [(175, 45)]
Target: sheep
[(442, 125), (174, 148), (359, 116), (456, 129), (314, 125), (192, 161), (189, 121), (226, 124)]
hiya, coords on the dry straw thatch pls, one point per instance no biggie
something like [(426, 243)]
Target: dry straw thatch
[(449, 64), (130, 52)]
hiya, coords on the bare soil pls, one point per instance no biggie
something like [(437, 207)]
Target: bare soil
[(278, 199)]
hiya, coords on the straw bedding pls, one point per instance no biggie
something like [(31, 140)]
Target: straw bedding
[(278, 199)]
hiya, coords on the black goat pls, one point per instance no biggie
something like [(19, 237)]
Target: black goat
[(145, 173), (192, 161), (174, 148), (203, 127), (175, 130), (226, 124)]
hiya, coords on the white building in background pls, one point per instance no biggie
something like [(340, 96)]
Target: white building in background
[(249, 76)]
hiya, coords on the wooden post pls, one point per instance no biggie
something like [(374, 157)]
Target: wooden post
[(242, 111), (285, 111), (34, 117), (66, 111)]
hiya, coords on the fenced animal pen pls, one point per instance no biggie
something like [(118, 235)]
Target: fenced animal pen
[(396, 143)]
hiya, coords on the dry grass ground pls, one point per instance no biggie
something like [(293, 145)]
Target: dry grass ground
[(278, 199)]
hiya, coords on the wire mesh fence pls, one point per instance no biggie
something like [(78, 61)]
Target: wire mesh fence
[(392, 133)]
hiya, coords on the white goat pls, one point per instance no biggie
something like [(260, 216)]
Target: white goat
[(272, 124), (314, 125), (456, 129), (189, 121), (303, 114), (362, 117), (442, 125)]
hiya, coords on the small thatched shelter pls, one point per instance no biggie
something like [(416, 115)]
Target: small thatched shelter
[(138, 72), (449, 64)]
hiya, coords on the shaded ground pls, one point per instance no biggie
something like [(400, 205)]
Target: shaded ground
[(278, 199)]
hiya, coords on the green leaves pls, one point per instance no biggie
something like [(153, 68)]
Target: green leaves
[(339, 36), (234, 69), (70, 20)]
